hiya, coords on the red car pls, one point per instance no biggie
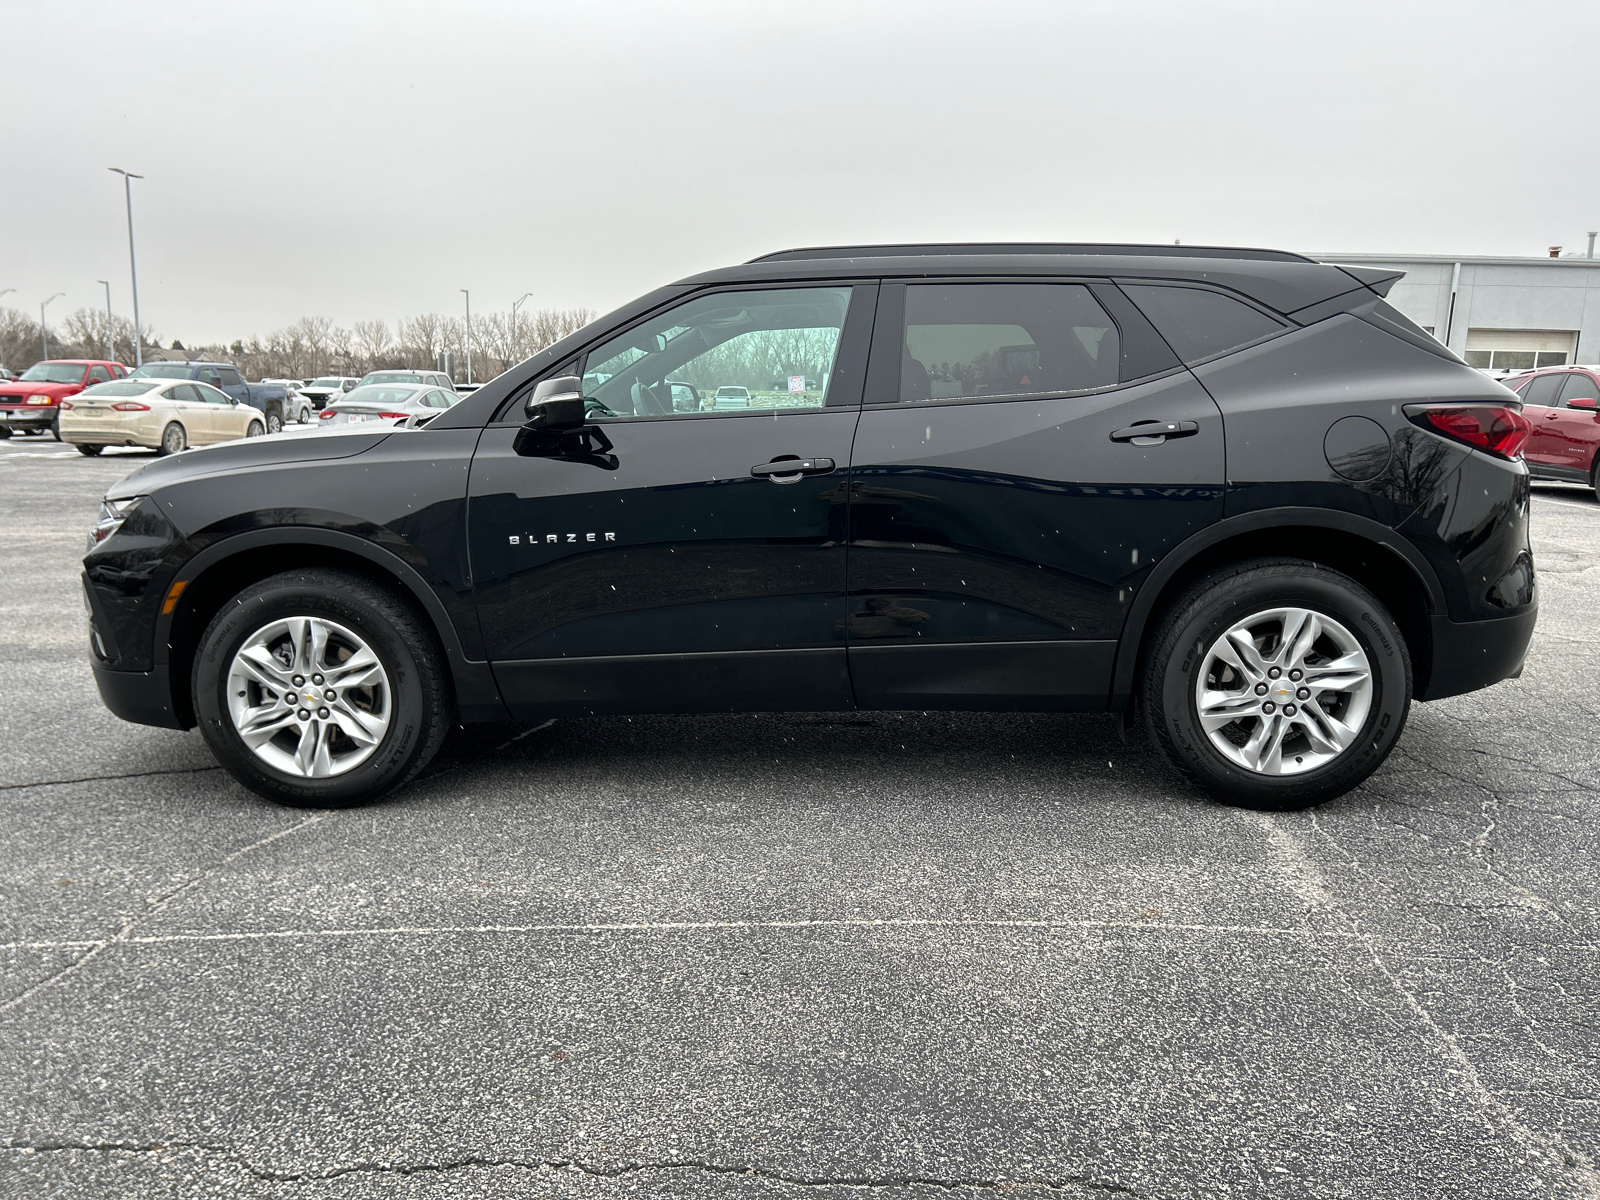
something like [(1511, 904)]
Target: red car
[(32, 403), (1563, 406)]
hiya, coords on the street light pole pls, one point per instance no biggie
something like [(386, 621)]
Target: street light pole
[(133, 266), (516, 305), (111, 329), (44, 338), (468, 295)]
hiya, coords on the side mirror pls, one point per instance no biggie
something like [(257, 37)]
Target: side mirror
[(556, 404), (1583, 402)]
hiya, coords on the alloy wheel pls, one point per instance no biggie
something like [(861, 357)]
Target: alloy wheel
[(309, 697), (1284, 691)]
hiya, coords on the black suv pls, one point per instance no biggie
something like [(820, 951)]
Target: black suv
[(1231, 491)]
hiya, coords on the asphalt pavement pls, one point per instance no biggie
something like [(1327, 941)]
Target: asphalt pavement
[(821, 955)]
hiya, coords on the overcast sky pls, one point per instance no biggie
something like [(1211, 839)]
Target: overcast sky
[(358, 160)]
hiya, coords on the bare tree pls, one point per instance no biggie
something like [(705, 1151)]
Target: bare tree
[(372, 339)]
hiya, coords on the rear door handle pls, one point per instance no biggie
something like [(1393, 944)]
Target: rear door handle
[(1156, 431), (789, 470)]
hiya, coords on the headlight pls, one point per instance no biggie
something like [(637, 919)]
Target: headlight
[(112, 514), (40, 399)]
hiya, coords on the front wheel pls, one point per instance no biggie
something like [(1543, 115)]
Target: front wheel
[(254, 430), (89, 451), (173, 440), (318, 688), (1277, 684), (55, 427)]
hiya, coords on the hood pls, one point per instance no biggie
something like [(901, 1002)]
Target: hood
[(244, 454), (42, 389)]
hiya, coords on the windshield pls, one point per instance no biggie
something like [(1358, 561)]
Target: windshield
[(382, 397), (325, 383), (391, 377), (162, 371), (122, 387), (46, 372)]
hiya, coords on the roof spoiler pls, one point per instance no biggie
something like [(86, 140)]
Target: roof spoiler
[(1376, 278)]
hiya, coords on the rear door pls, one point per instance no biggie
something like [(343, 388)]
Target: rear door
[(1545, 443), (1003, 504), (665, 561), (193, 412)]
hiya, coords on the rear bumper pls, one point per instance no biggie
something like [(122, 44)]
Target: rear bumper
[(1468, 655), (143, 697)]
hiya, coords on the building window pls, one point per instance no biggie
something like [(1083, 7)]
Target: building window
[(1519, 349)]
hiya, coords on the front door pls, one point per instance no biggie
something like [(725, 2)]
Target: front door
[(1544, 447), (669, 561), (1004, 503), (1572, 428)]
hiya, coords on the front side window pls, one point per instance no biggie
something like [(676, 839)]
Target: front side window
[(99, 375), (229, 378), (728, 349), (1200, 324), (208, 375), (1579, 387), (1005, 339)]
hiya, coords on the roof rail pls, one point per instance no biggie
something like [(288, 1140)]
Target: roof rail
[(1109, 248)]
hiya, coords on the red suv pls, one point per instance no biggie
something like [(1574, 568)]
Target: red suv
[(1563, 406), (32, 404)]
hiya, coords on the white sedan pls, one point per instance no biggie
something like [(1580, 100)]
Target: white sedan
[(164, 415)]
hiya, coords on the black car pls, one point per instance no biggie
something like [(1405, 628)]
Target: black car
[(1231, 493)]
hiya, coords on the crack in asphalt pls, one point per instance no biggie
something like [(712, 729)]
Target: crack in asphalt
[(1057, 1183), (468, 1162), (1306, 879), (153, 907), (12, 787)]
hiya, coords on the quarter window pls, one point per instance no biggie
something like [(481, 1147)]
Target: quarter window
[(99, 375), (1007, 339), (1199, 324), (730, 352)]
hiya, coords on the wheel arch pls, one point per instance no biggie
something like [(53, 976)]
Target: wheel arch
[(225, 568), (1373, 554)]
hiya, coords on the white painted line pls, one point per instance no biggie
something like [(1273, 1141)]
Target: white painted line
[(1566, 503), (677, 927)]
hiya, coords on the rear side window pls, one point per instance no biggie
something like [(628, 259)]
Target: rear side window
[(1005, 339), (1542, 390), (1200, 324)]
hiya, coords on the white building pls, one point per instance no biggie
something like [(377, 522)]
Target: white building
[(1498, 312)]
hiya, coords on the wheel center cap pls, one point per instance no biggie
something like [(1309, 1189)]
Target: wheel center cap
[(310, 699), (1282, 689)]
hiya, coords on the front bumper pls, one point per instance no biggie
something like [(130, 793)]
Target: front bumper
[(26, 420), (1468, 655), (143, 697)]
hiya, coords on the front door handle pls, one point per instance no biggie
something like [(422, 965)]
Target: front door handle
[(1153, 433), (789, 470)]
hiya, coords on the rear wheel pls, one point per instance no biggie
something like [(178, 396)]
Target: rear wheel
[(1277, 684), (254, 430), (90, 451), (321, 689), (173, 439), (274, 422)]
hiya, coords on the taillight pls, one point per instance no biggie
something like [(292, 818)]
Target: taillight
[(130, 406), (1497, 429), (66, 404), (327, 413), (396, 416)]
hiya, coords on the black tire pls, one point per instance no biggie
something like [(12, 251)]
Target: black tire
[(254, 429), (5, 432), (89, 451), (174, 440), (274, 421), (55, 427), (1216, 604), (422, 708)]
